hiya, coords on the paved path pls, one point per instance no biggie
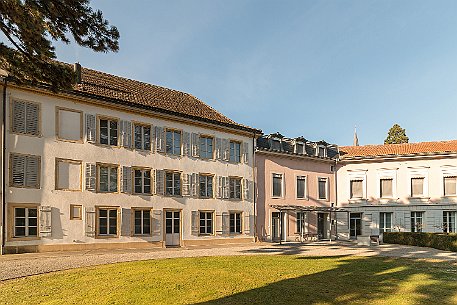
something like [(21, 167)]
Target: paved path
[(20, 265)]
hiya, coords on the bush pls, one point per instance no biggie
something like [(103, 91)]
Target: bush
[(433, 240)]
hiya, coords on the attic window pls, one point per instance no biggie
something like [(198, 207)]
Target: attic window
[(276, 144), (321, 151), (299, 148)]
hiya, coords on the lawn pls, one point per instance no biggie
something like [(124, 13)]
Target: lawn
[(243, 280)]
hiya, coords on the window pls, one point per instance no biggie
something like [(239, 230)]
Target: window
[(25, 222), (142, 137), (25, 171), (355, 225), (235, 152), (68, 175), (107, 221), (450, 186), (301, 187), (173, 142), (416, 221), (75, 212), (385, 222), (299, 148), (69, 125), (300, 222), (206, 223), (356, 191), (321, 151), (385, 188), (173, 184), (107, 178), (277, 185), (235, 188), (449, 222), (109, 131), (235, 223), (417, 187), (276, 144), (142, 218), (142, 181), (206, 186), (25, 118), (322, 188), (206, 147)]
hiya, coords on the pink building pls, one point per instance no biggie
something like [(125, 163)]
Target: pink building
[(295, 189)]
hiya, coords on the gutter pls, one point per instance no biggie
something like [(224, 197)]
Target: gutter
[(2, 250)]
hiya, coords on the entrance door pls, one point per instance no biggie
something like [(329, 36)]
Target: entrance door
[(355, 225), (172, 228), (321, 225), (276, 226)]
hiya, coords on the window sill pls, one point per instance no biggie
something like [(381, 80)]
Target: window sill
[(80, 141), (24, 238), (25, 187), (106, 236), (26, 134)]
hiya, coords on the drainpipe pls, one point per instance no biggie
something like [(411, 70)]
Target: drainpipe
[(335, 179), (2, 250), (254, 186)]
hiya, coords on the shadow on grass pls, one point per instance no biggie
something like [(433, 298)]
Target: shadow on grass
[(377, 280)]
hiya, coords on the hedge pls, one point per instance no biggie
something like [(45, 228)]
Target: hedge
[(433, 240)]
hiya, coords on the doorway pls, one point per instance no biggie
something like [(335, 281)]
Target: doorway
[(173, 228), (322, 225), (355, 225), (276, 226)]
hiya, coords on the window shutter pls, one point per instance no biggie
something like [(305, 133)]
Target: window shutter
[(126, 134), (45, 221), (160, 187), (153, 139), (32, 119), (225, 223), (160, 139), (194, 185), (32, 174), (195, 222), (18, 170), (251, 187), (246, 152), (91, 135), (186, 144), (91, 179), (157, 223), (125, 222), (127, 179), (18, 119), (225, 149), (195, 145), (226, 182), (245, 189), (219, 187), (90, 222), (219, 148), (247, 223), (186, 184), (218, 224)]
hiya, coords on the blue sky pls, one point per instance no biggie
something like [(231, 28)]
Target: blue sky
[(310, 68)]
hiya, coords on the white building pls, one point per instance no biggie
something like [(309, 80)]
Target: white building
[(397, 187), (120, 163)]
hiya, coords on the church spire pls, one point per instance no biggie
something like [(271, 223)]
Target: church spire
[(356, 139)]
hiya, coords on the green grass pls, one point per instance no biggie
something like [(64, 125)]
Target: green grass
[(243, 280)]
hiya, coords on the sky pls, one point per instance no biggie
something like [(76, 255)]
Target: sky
[(304, 68)]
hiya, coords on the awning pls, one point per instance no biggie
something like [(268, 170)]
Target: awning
[(307, 208)]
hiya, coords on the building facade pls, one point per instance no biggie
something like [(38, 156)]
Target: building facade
[(397, 187), (295, 188), (120, 163)]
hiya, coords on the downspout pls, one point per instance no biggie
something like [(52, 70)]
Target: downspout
[(3, 168), (254, 193), (336, 197)]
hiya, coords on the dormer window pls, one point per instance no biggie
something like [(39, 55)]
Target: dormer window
[(299, 148), (321, 151), (276, 144)]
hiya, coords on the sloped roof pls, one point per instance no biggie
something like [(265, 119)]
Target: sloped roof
[(398, 149), (148, 96)]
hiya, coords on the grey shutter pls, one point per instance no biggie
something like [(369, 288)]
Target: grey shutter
[(126, 134), (219, 149), (194, 185), (125, 222), (91, 177), (195, 145), (90, 222), (195, 222), (157, 223), (225, 223), (186, 144), (45, 221), (153, 139), (247, 223), (32, 173), (91, 130), (225, 149), (17, 169), (186, 189), (18, 119), (251, 186), (246, 152), (220, 188), (226, 187), (245, 189), (32, 118), (218, 225), (127, 179), (160, 182), (160, 139)]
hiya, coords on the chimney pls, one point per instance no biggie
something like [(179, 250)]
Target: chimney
[(77, 70)]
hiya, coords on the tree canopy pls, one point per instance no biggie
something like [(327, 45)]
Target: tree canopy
[(396, 135), (29, 28)]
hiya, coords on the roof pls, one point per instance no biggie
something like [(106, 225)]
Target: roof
[(147, 96), (291, 207), (421, 148)]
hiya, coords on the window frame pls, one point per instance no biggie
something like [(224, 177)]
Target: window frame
[(71, 161), (305, 195), (206, 137), (173, 187), (235, 178), (413, 220), (72, 214), (419, 172), (81, 124), (109, 119), (382, 220), (97, 221), (240, 221), (273, 196), (151, 139), (200, 175), (110, 166), (299, 220), (206, 212), (296, 144), (318, 148), (11, 118), (12, 219), (238, 159), (448, 218), (10, 165), (351, 196), (327, 193), (444, 185), (174, 131), (423, 187), (132, 221), (151, 180)]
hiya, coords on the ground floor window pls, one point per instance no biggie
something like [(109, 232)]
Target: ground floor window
[(235, 223), (206, 223), (416, 221), (107, 221), (142, 222), (25, 222), (355, 225), (449, 221), (385, 222), (300, 222)]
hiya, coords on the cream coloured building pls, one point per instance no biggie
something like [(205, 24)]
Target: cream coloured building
[(397, 187), (120, 163)]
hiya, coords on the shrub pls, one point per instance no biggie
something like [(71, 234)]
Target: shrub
[(433, 240)]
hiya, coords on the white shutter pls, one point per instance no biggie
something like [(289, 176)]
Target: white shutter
[(195, 145), (32, 173), (17, 169), (91, 176), (90, 222), (153, 139), (194, 185), (247, 223), (160, 139), (225, 149), (186, 190), (32, 118), (226, 187), (219, 149), (126, 228), (91, 129), (45, 221), (245, 189), (126, 134), (160, 183), (186, 144), (157, 223), (251, 186), (127, 179), (246, 152), (220, 188), (218, 225), (195, 223), (18, 117), (225, 223)]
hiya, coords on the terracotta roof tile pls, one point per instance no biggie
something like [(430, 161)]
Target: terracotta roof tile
[(398, 149)]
